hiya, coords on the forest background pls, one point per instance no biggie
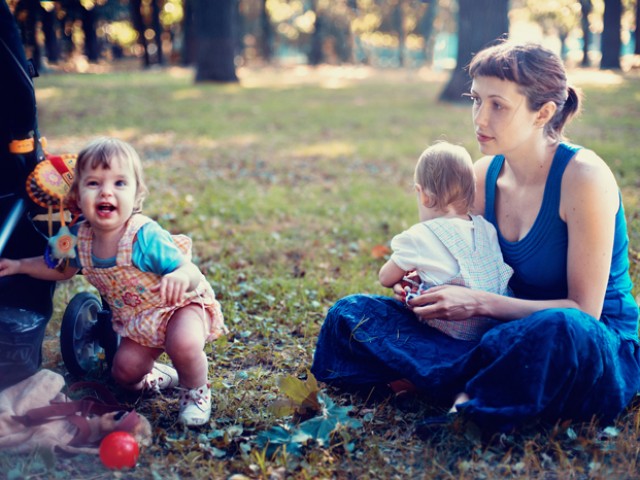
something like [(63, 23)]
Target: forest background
[(282, 138)]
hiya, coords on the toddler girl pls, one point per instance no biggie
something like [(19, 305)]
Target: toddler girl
[(159, 299)]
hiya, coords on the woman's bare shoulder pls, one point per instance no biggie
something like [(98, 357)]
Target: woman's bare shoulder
[(481, 165), (588, 168), (588, 183)]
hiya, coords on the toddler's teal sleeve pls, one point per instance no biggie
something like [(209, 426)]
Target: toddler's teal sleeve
[(155, 251)]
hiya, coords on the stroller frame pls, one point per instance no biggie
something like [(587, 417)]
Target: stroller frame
[(26, 304)]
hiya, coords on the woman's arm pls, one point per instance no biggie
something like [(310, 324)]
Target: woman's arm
[(452, 302), (589, 204)]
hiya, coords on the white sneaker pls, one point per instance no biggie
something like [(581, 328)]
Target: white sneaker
[(195, 406), (161, 377)]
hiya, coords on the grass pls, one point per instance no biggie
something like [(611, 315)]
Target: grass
[(288, 183)]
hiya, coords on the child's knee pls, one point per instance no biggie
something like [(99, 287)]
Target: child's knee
[(185, 351)]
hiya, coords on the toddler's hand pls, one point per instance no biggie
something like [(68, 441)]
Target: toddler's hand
[(8, 267), (173, 286)]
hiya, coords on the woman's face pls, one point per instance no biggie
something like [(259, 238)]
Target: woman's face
[(501, 117)]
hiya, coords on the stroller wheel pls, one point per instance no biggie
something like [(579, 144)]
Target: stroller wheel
[(85, 341)]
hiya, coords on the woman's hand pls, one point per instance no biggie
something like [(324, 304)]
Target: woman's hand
[(446, 302)]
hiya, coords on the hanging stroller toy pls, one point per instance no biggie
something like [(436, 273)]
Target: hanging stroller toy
[(48, 185)]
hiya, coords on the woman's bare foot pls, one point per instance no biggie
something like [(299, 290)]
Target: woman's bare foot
[(460, 398)]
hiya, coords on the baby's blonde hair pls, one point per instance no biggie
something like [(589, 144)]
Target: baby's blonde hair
[(100, 153), (445, 171)]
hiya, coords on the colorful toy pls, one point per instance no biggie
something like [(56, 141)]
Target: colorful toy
[(47, 186)]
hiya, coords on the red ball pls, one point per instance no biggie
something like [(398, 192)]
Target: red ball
[(119, 450)]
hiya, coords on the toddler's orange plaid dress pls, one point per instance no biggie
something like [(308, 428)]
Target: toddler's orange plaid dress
[(138, 312)]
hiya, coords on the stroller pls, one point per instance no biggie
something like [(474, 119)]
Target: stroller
[(26, 304)]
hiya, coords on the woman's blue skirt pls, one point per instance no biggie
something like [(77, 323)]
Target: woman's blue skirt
[(557, 364)]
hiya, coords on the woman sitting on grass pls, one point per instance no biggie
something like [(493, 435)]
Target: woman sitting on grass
[(567, 345)]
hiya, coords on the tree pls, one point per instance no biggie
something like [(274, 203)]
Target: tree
[(266, 30), (559, 17), (30, 13), (426, 29), (157, 29), (140, 13), (189, 46), (49, 30), (398, 23), (89, 16), (216, 43), (637, 34), (316, 53), (332, 36), (587, 7), (137, 19), (479, 24), (611, 40)]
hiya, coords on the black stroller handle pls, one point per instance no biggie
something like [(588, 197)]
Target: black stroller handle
[(14, 215)]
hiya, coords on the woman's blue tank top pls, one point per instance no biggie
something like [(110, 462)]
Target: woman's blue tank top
[(539, 260)]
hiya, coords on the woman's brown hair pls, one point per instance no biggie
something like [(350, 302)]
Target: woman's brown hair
[(539, 73)]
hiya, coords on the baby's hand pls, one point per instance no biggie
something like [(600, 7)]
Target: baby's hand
[(173, 286), (411, 280)]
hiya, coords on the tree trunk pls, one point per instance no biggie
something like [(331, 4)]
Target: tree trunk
[(189, 45), (564, 50), (139, 26), (157, 28), (611, 40), (66, 34), (91, 47), (215, 36), (398, 22), (636, 50), (316, 55), (51, 47), (426, 30), (266, 29), (479, 24), (239, 31), (586, 31), (31, 9)]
